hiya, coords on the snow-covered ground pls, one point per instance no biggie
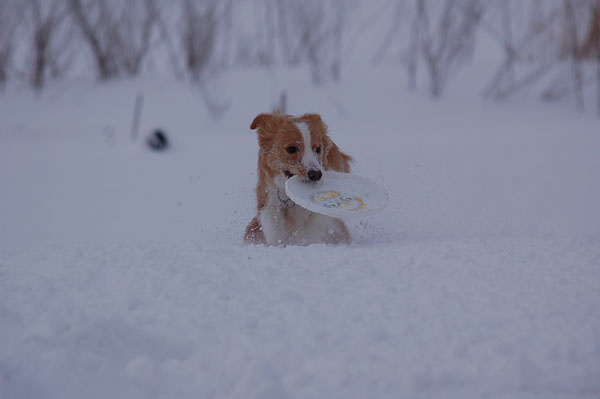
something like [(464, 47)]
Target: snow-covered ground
[(123, 273)]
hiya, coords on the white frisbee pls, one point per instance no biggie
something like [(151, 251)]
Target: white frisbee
[(340, 195)]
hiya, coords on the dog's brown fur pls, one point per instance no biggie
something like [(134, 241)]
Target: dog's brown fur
[(276, 132)]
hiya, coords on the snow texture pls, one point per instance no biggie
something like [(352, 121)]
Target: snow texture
[(452, 318), (123, 273)]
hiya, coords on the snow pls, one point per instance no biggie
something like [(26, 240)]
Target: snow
[(123, 272), (451, 318)]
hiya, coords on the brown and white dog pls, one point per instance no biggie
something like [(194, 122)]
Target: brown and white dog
[(291, 146)]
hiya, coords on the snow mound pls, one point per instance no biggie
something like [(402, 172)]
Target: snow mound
[(452, 318)]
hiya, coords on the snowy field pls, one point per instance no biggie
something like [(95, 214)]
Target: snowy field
[(123, 273)]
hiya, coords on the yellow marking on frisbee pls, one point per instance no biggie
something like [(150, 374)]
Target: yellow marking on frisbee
[(361, 202), (338, 200), (319, 197)]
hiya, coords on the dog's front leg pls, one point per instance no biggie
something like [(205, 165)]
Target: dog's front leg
[(328, 230), (273, 222), (339, 234), (254, 232)]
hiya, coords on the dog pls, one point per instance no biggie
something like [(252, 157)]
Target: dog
[(290, 146)]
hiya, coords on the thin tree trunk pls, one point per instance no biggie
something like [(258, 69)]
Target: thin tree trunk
[(598, 75), (575, 67), (172, 52), (104, 63), (336, 65), (413, 57)]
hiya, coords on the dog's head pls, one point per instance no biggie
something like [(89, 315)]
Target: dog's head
[(292, 146)]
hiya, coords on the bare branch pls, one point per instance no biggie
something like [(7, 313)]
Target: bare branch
[(118, 34), (10, 17), (51, 40), (571, 27), (444, 48), (199, 35)]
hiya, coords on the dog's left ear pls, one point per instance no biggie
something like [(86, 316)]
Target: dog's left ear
[(266, 126), (260, 121)]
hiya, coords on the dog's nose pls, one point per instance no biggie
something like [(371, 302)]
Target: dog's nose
[(314, 175)]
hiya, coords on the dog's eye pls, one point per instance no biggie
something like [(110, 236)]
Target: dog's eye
[(292, 149), (318, 150)]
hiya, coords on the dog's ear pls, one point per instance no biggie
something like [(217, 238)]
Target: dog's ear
[(260, 120), (266, 126), (334, 158), (313, 118), (327, 146)]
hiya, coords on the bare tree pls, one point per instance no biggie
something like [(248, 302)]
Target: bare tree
[(312, 31), (166, 37), (595, 37), (590, 48), (93, 33), (337, 33), (256, 46), (444, 48), (227, 31), (551, 50), (571, 32), (598, 77), (590, 43), (288, 48), (50, 40), (135, 26), (10, 16), (199, 35), (118, 33), (522, 49), (394, 31), (270, 21), (311, 27)]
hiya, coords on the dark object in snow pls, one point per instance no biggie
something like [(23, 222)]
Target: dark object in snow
[(158, 140)]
